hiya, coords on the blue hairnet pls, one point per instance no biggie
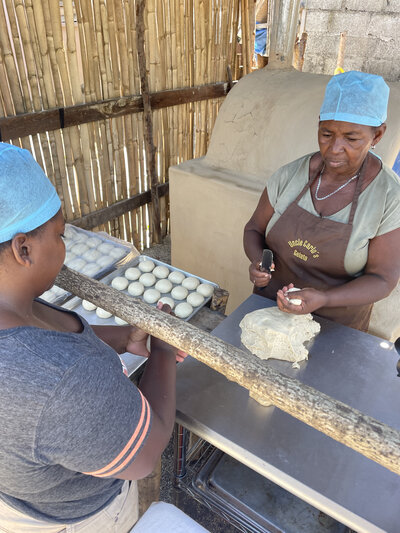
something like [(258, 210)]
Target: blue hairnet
[(356, 97), (27, 197)]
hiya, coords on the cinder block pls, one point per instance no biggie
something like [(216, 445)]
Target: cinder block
[(356, 45), (384, 67), (322, 43), (384, 26), (382, 49), (393, 6), (317, 21), (365, 5), (330, 5), (353, 23)]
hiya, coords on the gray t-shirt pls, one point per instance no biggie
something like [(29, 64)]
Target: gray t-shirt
[(65, 408)]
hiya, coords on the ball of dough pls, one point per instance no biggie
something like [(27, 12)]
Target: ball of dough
[(161, 272), (132, 273), (77, 264), (294, 301), (80, 248), (147, 279), (102, 313), (167, 300), (105, 261), (93, 242), (91, 255), (179, 293), (88, 306), (69, 232), (91, 269), (120, 283), (80, 236), (120, 322), (183, 310), (190, 283), (69, 244), (135, 288), (151, 296), (195, 299), (163, 285), (176, 277), (146, 266), (69, 256), (117, 252), (105, 248), (205, 289)]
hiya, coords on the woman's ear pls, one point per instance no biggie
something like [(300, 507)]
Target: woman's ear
[(21, 249), (380, 130)]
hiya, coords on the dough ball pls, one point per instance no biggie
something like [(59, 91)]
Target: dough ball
[(167, 300), (205, 289), (146, 266), (135, 288), (120, 283), (93, 242), (120, 322), (105, 248), (161, 272), (80, 248), (117, 252), (190, 283), (69, 244), (151, 296), (102, 313), (88, 306), (147, 279), (80, 236), (132, 273), (163, 285), (91, 255), (294, 301), (69, 256), (179, 293), (69, 232), (105, 261), (183, 310), (195, 299), (77, 264), (91, 269), (176, 277)]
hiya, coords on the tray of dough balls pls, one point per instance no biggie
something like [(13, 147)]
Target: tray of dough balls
[(151, 281), (91, 254)]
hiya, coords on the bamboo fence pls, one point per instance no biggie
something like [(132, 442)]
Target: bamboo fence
[(55, 54)]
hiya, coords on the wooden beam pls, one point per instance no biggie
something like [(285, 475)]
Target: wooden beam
[(17, 126), (104, 215)]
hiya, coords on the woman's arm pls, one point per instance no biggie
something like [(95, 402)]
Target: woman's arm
[(254, 239), (123, 338), (380, 277)]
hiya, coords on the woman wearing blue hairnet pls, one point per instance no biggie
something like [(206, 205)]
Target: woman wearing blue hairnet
[(74, 428), (332, 218)]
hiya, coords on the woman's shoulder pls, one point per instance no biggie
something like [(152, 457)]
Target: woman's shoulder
[(288, 169)]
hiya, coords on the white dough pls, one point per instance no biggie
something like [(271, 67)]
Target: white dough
[(69, 244), (80, 248), (93, 242), (117, 252), (48, 296), (77, 264), (120, 283), (69, 256), (190, 283), (151, 296), (105, 261), (102, 313), (132, 273), (146, 266), (179, 293), (205, 289), (91, 269), (135, 288), (195, 299), (88, 306), (294, 301), (183, 310), (176, 277), (105, 248), (120, 322), (167, 300), (161, 272), (91, 255), (163, 285), (147, 279), (69, 232)]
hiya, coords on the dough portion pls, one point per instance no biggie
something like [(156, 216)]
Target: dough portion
[(163, 285), (146, 266), (205, 289), (120, 283), (272, 334), (161, 272), (148, 279), (151, 296), (132, 273), (183, 310), (176, 276), (168, 301), (195, 299), (102, 313), (179, 293), (135, 288), (88, 306), (190, 283)]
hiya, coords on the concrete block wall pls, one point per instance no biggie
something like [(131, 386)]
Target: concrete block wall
[(373, 36)]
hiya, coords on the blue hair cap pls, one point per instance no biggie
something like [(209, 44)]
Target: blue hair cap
[(27, 197), (356, 97)]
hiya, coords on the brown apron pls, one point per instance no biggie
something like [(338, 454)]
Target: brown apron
[(309, 252)]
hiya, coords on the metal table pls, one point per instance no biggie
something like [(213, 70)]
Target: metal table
[(353, 367)]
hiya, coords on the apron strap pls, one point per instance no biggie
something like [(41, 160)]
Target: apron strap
[(357, 191), (310, 181)]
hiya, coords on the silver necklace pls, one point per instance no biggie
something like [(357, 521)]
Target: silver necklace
[(337, 190)]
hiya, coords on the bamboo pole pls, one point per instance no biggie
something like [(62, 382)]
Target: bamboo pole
[(362, 433)]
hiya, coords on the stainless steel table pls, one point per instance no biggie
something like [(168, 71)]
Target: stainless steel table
[(351, 366)]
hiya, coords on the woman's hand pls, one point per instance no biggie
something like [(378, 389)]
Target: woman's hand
[(311, 300), (257, 276), (137, 340)]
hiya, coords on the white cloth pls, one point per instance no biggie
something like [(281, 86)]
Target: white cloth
[(163, 517)]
